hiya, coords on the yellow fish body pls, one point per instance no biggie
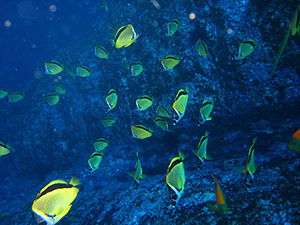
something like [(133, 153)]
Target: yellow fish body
[(60, 89), (295, 24), (179, 105), (172, 27), (163, 111), (205, 110), (245, 49), (201, 152), (3, 149), (53, 67), (101, 52), (94, 161), (125, 36), (54, 201), (141, 132), (136, 69), (52, 98), (169, 62), (143, 102), (108, 121), (100, 144), (3, 93), (202, 48), (111, 99), (15, 96), (138, 172), (163, 124), (83, 71)]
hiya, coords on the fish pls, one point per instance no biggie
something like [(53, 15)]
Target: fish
[(163, 124), (222, 206), (52, 98), (172, 27), (245, 49), (54, 201), (101, 52), (179, 105), (125, 36), (3, 93), (53, 67), (60, 89), (169, 62), (175, 178), (100, 144), (104, 5), (111, 99), (163, 112), (202, 48), (295, 24), (3, 149), (201, 152), (205, 111), (136, 69), (94, 161), (141, 132), (250, 166), (138, 172), (108, 121), (83, 71), (143, 102), (294, 144), (70, 71), (15, 96)]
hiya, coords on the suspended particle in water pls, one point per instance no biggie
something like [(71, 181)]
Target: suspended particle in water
[(229, 31), (52, 8), (7, 23), (192, 16)]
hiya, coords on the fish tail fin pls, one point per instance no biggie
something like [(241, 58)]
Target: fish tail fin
[(254, 140), (212, 207), (137, 153), (206, 133), (208, 157), (75, 181), (240, 169), (181, 155), (130, 174), (143, 176), (208, 118)]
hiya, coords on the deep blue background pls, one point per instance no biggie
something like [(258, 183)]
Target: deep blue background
[(36, 35)]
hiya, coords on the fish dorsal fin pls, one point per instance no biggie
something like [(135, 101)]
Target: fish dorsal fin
[(75, 181)]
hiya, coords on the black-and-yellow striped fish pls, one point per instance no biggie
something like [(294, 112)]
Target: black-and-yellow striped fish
[(111, 99), (179, 105)]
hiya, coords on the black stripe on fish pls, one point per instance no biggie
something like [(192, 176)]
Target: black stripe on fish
[(146, 97), (143, 128), (119, 32), (111, 92), (171, 57), (175, 21), (175, 163), (182, 92), (56, 63), (55, 187), (84, 67), (206, 103), (250, 42)]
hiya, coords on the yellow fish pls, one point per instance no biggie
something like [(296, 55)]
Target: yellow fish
[(70, 71), (172, 27), (94, 161), (205, 111), (201, 152), (202, 48), (54, 201), (245, 49), (83, 71), (141, 132), (295, 24), (136, 69), (179, 105), (169, 62), (175, 178), (222, 206), (125, 36), (108, 121), (163, 111), (111, 100), (143, 102), (3, 93), (100, 144), (101, 52), (60, 89), (15, 96), (163, 124), (138, 172), (294, 144), (53, 67), (52, 98), (3, 149)]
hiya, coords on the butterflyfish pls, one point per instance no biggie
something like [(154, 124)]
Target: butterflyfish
[(111, 99), (163, 112), (294, 144), (101, 52), (15, 96), (222, 206), (136, 69), (94, 161), (60, 89), (53, 67), (245, 49), (138, 172), (54, 201), (52, 98), (83, 71), (70, 71), (169, 62), (179, 105), (295, 24), (205, 111), (125, 36), (201, 152), (108, 121), (3, 93), (202, 48), (100, 144), (163, 124), (141, 132), (143, 102), (175, 178), (250, 166), (172, 27), (3, 149)]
